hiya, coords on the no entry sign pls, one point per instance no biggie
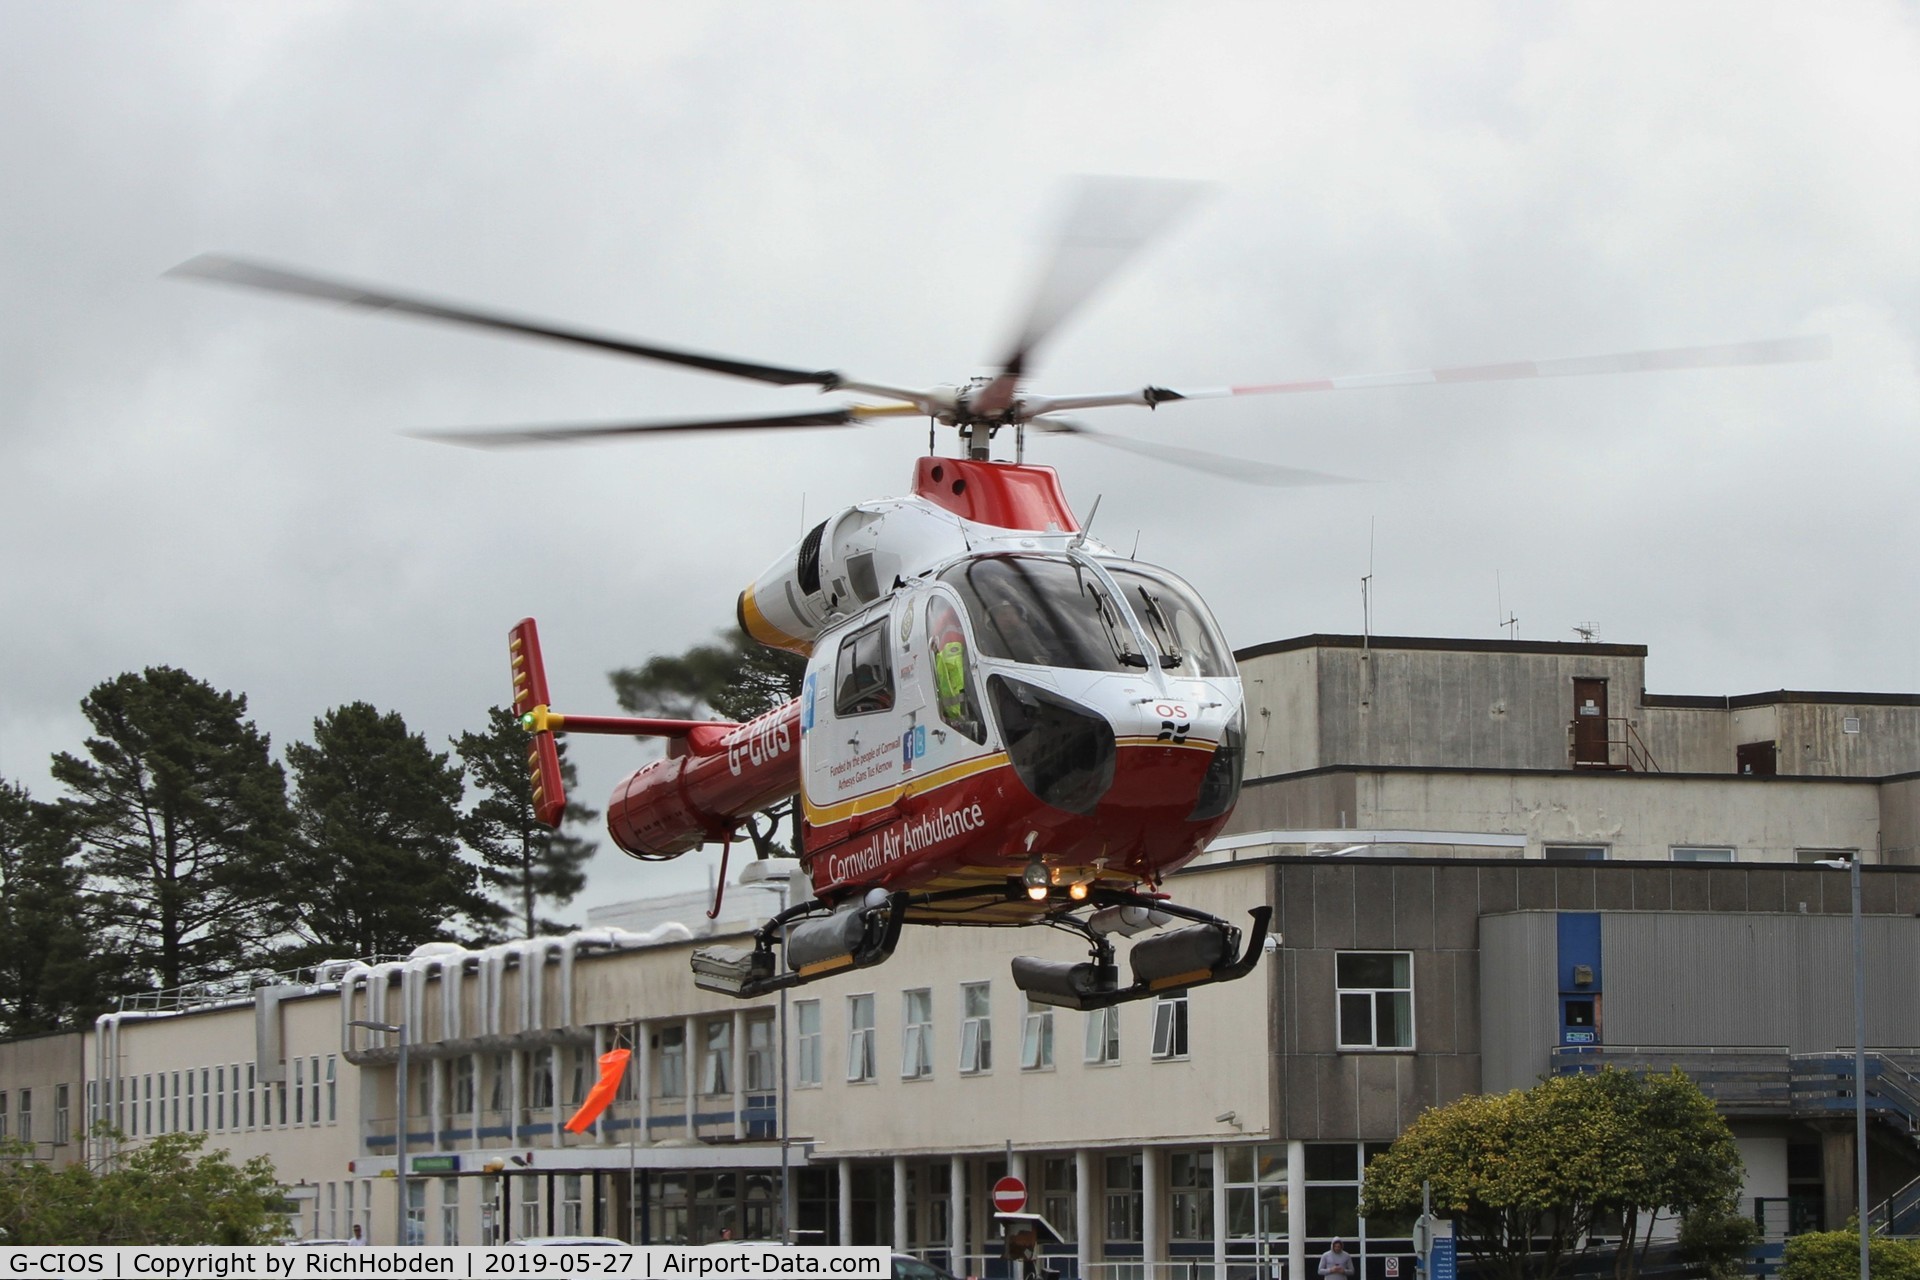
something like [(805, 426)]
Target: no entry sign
[(1009, 1195)]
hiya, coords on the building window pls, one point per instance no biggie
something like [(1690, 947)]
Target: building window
[(761, 1073), (252, 1093), (1374, 993), (716, 1074), (1123, 1198), (572, 1221), (299, 1091), (529, 1206), (26, 1115), (333, 1089), (1807, 857), (449, 1211), (1036, 1039), (1701, 853), (916, 1034), (672, 1042), (859, 1038), (313, 1083), (1190, 1180), (976, 1027), (1058, 1181), (540, 1080), (1575, 853), (1256, 1198), (806, 1014), (1170, 1027), (462, 1084), (1103, 1036), (62, 1118)]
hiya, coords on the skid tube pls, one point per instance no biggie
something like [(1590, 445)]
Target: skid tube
[(818, 940)]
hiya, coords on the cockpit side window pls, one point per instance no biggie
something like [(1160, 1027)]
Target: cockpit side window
[(1046, 612), (955, 681), (862, 674)]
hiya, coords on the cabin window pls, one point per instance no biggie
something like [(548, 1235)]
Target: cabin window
[(863, 676), (955, 684)]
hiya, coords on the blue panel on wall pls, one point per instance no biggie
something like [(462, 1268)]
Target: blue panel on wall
[(1579, 946)]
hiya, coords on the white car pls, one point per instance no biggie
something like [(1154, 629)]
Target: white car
[(566, 1242)]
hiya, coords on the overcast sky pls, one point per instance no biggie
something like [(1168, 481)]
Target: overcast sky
[(216, 480)]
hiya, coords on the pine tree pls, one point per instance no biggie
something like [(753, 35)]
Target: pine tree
[(377, 867), (50, 978), (181, 819), (519, 856)]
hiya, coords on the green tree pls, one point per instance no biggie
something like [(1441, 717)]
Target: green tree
[(519, 856), (181, 817), (1835, 1255), (735, 679), (1529, 1176), (50, 977), (376, 867), (164, 1193)]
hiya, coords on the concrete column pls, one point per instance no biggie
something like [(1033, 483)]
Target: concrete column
[(957, 1213), (845, 1200), (1153, 1195), (739, 1047), (900, 1240), (1083, 1228), (600, 1121), (1220, 1212), (643, 1084), (1296, 1211), (1837, 1164), (691, 1074)]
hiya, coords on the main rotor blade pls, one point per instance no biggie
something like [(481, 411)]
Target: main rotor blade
[(221, 269), (1107, 220), (576, 433), (1767, 351), (1245, 470)]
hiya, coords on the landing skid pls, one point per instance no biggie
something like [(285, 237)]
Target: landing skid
[(818, 941)]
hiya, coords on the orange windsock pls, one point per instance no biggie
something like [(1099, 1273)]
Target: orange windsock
[(613, 1065)]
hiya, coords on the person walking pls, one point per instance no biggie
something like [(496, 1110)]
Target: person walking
[(1336, 1263)]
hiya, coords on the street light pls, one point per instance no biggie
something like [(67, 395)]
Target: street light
[(1852, 866), (777, 873), (401, 1234)]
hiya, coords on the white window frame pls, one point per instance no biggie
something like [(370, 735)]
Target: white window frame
[(806, 1058), (1702, 853), (1171, 1028), (916, 1034), (1342, 994), (1103, 1037), (976, 1028), (860, 1060), (673, 1063), (1036, 1037), (762, 1073)]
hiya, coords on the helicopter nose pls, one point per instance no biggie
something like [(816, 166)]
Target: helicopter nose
[(1061, 751)]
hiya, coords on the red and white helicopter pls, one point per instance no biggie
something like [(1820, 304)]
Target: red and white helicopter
[(1004, 722)]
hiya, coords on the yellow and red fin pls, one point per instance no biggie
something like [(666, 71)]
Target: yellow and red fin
[(530, 704)]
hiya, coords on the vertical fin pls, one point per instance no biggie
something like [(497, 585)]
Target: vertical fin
[(531, 705)]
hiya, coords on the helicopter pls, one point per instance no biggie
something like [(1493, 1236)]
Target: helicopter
[(1003, 722)]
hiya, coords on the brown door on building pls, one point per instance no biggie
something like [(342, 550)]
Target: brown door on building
[(1590, 724), (1755, 758)]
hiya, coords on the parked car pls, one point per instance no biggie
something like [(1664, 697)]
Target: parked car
[(567, 1242)]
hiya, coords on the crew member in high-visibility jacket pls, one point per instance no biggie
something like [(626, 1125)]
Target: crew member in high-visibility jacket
[(950, 661)]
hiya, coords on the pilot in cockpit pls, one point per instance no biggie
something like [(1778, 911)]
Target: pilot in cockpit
[(1019, 639)]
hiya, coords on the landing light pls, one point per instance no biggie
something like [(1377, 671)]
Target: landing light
[(1037, 879), (1077, 890)]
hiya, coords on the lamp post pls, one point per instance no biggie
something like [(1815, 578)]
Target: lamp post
[(401, 1223), (1852, 866), (762, 874)]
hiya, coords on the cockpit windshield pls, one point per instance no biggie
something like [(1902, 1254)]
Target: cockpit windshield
[(1175, 619), (1046, 611)]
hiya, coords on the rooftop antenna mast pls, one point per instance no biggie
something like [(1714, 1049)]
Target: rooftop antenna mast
[(1366, 594), (1586, 631), (1510, 621)]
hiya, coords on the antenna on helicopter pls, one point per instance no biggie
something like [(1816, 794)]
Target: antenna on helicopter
[(1086, 526)]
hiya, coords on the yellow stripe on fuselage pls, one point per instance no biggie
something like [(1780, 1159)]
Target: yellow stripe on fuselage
[(827, 814)]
